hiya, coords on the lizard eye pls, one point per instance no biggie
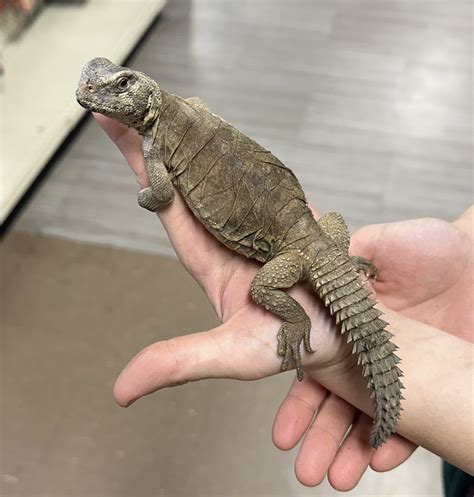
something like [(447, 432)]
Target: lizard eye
[(122, 83)]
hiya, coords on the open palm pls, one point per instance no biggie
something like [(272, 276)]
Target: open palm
[(425, 269), (244, 346)]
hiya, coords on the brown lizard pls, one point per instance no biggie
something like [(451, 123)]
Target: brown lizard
[(253, 204)]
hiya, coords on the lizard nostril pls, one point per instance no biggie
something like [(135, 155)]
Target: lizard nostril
[(89, 87)]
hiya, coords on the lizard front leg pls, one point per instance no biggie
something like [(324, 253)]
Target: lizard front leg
[(161, 192), (283, 272)]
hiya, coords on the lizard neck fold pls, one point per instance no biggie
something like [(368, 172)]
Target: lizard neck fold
[(181, 131), (153, 111)]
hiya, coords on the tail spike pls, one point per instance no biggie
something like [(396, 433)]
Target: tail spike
[(361, 322)]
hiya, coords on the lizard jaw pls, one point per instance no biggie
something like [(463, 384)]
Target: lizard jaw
[(86, 100), (82, 97)]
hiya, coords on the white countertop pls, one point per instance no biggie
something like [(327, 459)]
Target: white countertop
[(38, 108)]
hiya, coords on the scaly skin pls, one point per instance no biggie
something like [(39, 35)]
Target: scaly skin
[(254, 205)]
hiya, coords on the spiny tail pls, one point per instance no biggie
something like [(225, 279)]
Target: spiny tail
[(339, 286)]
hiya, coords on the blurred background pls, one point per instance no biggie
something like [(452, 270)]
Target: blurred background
[(369, 102)]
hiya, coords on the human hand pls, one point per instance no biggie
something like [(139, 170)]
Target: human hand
[(244, 346), (426, 269), (425, 272)]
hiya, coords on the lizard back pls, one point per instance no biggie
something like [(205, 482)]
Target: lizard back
[(244, 195)]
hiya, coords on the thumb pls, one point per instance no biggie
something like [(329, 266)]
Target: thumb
[(365, 240), (223, 352), (129, 143)]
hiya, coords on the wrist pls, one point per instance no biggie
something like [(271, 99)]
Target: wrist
[(438, 405)]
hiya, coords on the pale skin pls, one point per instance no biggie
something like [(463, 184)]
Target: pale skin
[(426, 269)]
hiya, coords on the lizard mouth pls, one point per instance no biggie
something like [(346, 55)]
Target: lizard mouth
[(88, 103), (85, 99), (82, 100)]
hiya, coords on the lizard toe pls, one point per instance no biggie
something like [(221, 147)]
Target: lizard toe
[(289, 338), (307, 343), (282, 343), (285, 364)]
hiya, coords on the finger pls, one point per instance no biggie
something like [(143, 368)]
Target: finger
[(465, 221), (129, 143), (224, 352), (390, 455), (322, 440), (364, 242), (168, 363), (316, 214), (297, 411), (353, 456)]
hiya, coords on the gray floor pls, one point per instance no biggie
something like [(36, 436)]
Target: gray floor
[(370, 102), (89, 309)]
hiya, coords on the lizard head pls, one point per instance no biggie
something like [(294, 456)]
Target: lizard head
[(129, 97)]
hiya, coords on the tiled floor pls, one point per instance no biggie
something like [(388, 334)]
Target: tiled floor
[(368, 101)]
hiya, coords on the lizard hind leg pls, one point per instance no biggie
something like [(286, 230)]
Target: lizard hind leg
[(367, 267), (333, 225), (283, 272)]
